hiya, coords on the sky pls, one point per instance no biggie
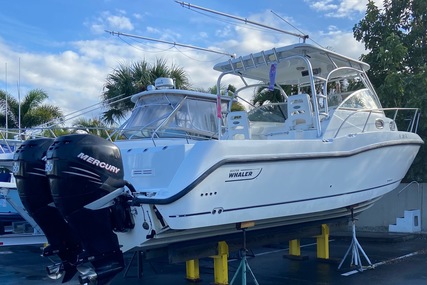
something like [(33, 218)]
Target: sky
[(61, 47)]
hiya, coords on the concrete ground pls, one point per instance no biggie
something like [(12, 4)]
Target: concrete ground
[(397, 258)]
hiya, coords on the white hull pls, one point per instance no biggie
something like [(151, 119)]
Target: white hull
[(169, 236), (269, 182)]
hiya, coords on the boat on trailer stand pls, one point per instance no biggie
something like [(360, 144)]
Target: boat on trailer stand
[(187, 167)]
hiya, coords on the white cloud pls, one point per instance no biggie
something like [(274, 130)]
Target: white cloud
[(109, 21), (224, 32), (97, 28), (74, 78), (348, 7), (325, 5), (120, 22), (341, 8), (152, 30), (137, 16), (341, 42), (203, 35), (161, 34)]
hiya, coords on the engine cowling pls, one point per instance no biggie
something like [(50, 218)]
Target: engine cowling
[(82, 169), (34, 192), (29, 171)]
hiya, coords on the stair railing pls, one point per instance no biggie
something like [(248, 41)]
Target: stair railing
[(421, 197)]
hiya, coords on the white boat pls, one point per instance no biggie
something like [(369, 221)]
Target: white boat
[(187, 167), (311, 157), (9, 199)]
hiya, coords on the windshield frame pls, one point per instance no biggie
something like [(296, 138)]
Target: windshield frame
[(199, 111)]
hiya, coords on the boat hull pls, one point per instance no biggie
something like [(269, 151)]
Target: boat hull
[(137, 238), (227, 182)]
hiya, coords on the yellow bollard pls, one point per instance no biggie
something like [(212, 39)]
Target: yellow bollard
[(221, 264), (295, 247), (323, 243), (192, 269)]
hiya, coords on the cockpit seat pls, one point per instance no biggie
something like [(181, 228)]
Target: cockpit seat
[(300, 112), (238, 125)]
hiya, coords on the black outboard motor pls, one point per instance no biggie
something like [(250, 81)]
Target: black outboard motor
[(82, 169), (34, 191)]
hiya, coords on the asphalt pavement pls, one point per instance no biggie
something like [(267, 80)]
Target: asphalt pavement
[(396, 259)]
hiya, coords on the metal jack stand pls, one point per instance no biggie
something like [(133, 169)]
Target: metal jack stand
[(139, 256), (355, 247), (244, 265)]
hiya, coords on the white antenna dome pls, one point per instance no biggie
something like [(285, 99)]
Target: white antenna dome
[(164, 83)]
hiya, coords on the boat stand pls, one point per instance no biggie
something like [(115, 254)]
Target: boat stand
[(356, 249), (139, 256), (244, 265)]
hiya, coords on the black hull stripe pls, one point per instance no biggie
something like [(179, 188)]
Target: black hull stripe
[(191, 186), (287, 202)]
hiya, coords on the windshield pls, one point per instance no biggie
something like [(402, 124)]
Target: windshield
[(349, 88), (269, 113), (172, 115), (361, 99)]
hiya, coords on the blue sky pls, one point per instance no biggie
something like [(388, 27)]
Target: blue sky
[(61, 46)]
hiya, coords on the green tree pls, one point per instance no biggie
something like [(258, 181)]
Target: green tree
[(92, 126), (236, 106), (126, 80), (263, 95), (396, 39), (33, 111)]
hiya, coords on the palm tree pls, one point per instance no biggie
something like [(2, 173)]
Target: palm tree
[(236, 106), (91, 126), (128, 80), (263, 95), (33, 111)]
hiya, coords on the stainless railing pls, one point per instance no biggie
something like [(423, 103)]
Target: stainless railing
[(11, 139), (411, 127)]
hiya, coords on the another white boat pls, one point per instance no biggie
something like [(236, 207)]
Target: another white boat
[(9, 199), (187, 167), (14, 219)]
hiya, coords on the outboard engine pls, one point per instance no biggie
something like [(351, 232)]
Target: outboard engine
[(34, 191), (83, 169)]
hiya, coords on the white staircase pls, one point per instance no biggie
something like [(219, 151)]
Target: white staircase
[(410, 223)]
